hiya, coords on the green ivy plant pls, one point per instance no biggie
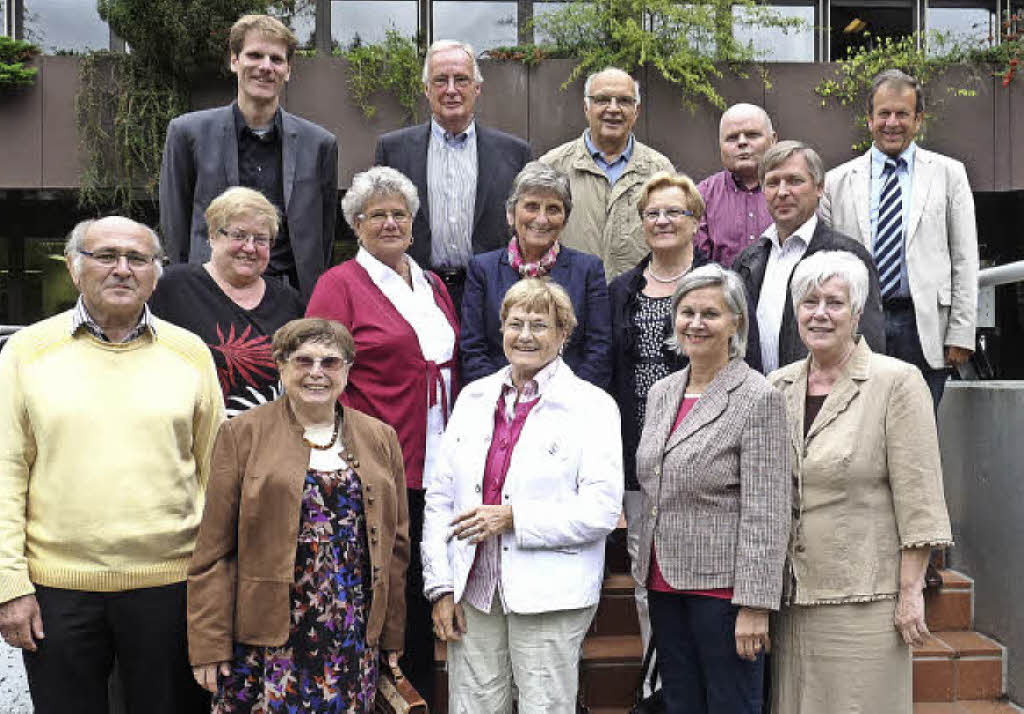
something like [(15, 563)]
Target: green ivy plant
[(392, 66), (13, 56), (528, 55), (687, 43), (126, 100), (852, 79)]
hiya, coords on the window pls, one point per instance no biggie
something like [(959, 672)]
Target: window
[(778, 44), (64, 25), (302, 21), (972, 24), (545, 8), (483, 24), (366, 21)]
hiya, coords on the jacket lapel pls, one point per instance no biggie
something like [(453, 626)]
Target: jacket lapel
[(860, 186), (846, 388), (710, 405), (796, 403), (288, 151), (921, 183), (485, 156), (230, 144), (418, 169)]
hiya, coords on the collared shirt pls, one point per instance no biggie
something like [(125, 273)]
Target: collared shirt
[(511, 411), (734, 217), (904, 174), (615, 169), (260, 168), (434, 333), (771, 304), (451, 191), (81, 319)]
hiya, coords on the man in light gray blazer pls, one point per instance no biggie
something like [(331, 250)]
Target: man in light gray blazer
[(253, 142), (914, 210)]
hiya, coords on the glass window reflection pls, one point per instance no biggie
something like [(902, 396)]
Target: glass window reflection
[(366, 21), (972, 26), (65, 25), (301, 20), (482, 24), (777, 44)]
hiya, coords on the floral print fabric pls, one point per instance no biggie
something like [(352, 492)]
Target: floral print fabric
[(326, 665)]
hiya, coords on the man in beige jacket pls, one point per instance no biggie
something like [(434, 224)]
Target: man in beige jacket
[(606, 168)]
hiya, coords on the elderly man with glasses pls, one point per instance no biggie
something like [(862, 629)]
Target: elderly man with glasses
[(109, 416), (606, 168)]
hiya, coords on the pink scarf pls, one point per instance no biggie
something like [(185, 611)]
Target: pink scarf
[(531, 270)]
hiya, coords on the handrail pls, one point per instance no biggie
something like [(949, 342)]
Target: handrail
[(1001, 274)]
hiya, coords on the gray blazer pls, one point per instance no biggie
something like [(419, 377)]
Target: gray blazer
[(201, 161), (717, 491)]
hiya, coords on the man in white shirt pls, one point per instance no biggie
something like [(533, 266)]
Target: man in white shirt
[(792, 176)]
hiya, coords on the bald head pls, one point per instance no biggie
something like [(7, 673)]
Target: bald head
[(744, 134), (609, 74)]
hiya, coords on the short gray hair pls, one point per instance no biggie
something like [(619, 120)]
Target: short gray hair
[(817, 269), (440, 45), (538, 177), (73, 245), (780, 153), (378, 181), (590, 78), (901, 79), (714, 275)]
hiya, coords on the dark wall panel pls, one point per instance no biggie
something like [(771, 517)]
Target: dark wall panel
[(555, 115), (504, 98), (60, 157), (21, 135), (964, 125)]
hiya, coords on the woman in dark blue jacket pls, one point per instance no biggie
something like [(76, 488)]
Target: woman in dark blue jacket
[(537, 211)]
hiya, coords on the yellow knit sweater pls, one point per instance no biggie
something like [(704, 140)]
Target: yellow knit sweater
[(104, 456)]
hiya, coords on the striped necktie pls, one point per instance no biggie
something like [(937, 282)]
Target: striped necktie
[(889, 235)]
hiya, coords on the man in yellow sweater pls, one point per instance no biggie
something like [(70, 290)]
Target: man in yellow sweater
[(107, 420)]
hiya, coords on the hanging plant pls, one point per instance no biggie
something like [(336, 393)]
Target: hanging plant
[(392, 66)]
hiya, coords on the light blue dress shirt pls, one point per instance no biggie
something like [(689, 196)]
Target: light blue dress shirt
[(616, 168)]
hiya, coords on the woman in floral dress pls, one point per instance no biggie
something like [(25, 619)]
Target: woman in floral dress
[(296, 584)]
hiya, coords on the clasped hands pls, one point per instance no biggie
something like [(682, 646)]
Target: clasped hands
[(480, 523)]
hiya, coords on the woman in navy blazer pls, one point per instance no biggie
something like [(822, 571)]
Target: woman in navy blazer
[(537, 210)]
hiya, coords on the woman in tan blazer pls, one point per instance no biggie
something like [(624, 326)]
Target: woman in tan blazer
[(713, 467), (869, 507), (297, 581)]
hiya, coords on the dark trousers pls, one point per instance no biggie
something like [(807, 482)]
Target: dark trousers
[(418, 661), (144, 629), (902, 341), (695, 637), (455, 280)]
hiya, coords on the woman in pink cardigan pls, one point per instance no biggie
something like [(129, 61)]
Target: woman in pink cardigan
[(406, 335)]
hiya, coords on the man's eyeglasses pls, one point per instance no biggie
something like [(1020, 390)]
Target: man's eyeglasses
[(110, 258), (461, 81), (259, 240), (379, 218), (673, 214), (327, 364), (603, 100)]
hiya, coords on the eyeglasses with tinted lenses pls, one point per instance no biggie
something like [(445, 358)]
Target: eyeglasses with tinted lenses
[(327, 364), (110, 258)]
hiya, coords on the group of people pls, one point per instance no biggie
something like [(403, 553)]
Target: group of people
[(432, 440)]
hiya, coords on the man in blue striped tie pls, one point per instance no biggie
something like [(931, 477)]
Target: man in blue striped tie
[(914, 210)]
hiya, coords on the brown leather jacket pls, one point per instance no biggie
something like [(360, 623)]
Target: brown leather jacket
[(243, 566)]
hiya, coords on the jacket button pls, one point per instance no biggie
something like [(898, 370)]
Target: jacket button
[(355, 463), (369, 500), (369, 487), (373, 529), (505, 548), (477, 488), (506, 496), (657, 471), (801, 548), (373, 540)]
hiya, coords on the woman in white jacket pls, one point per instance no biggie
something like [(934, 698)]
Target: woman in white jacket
[(528, 484)]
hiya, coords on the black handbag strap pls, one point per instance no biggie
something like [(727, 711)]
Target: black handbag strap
[(645, 676)]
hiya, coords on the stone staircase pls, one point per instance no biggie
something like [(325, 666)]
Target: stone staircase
[(957, 671)]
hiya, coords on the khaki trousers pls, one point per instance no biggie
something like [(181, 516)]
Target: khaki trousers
[(539, 652)]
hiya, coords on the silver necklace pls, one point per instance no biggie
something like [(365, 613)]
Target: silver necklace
[(672, 279)]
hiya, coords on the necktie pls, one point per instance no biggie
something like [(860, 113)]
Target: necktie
[(889, 236)]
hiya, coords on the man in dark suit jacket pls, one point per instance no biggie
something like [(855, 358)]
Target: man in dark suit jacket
[(792, 177), (463, 171), (254, 143)]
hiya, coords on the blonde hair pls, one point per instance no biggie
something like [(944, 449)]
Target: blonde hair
[(241, 202), (267, 26), (541, 295), (665, 179)]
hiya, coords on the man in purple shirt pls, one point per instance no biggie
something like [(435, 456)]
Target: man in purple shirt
[(735, 210)]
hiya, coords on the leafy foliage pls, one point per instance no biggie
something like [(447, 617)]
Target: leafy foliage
[(1008, 54), (126, 100), (529, 55), (686, 42), (392, 66), (13, 56)]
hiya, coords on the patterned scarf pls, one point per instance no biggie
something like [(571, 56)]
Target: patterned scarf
[(531, 270)]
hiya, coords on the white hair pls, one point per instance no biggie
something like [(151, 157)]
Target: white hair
[(586, 85), (817, 269), (440, 45), (744, 108), (714, 275), (73, 245), (378, 181)]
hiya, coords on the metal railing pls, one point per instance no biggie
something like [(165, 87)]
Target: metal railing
[(1001, 274)]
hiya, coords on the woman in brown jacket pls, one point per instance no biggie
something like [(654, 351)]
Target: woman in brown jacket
[(298, 577), (869, 506)]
